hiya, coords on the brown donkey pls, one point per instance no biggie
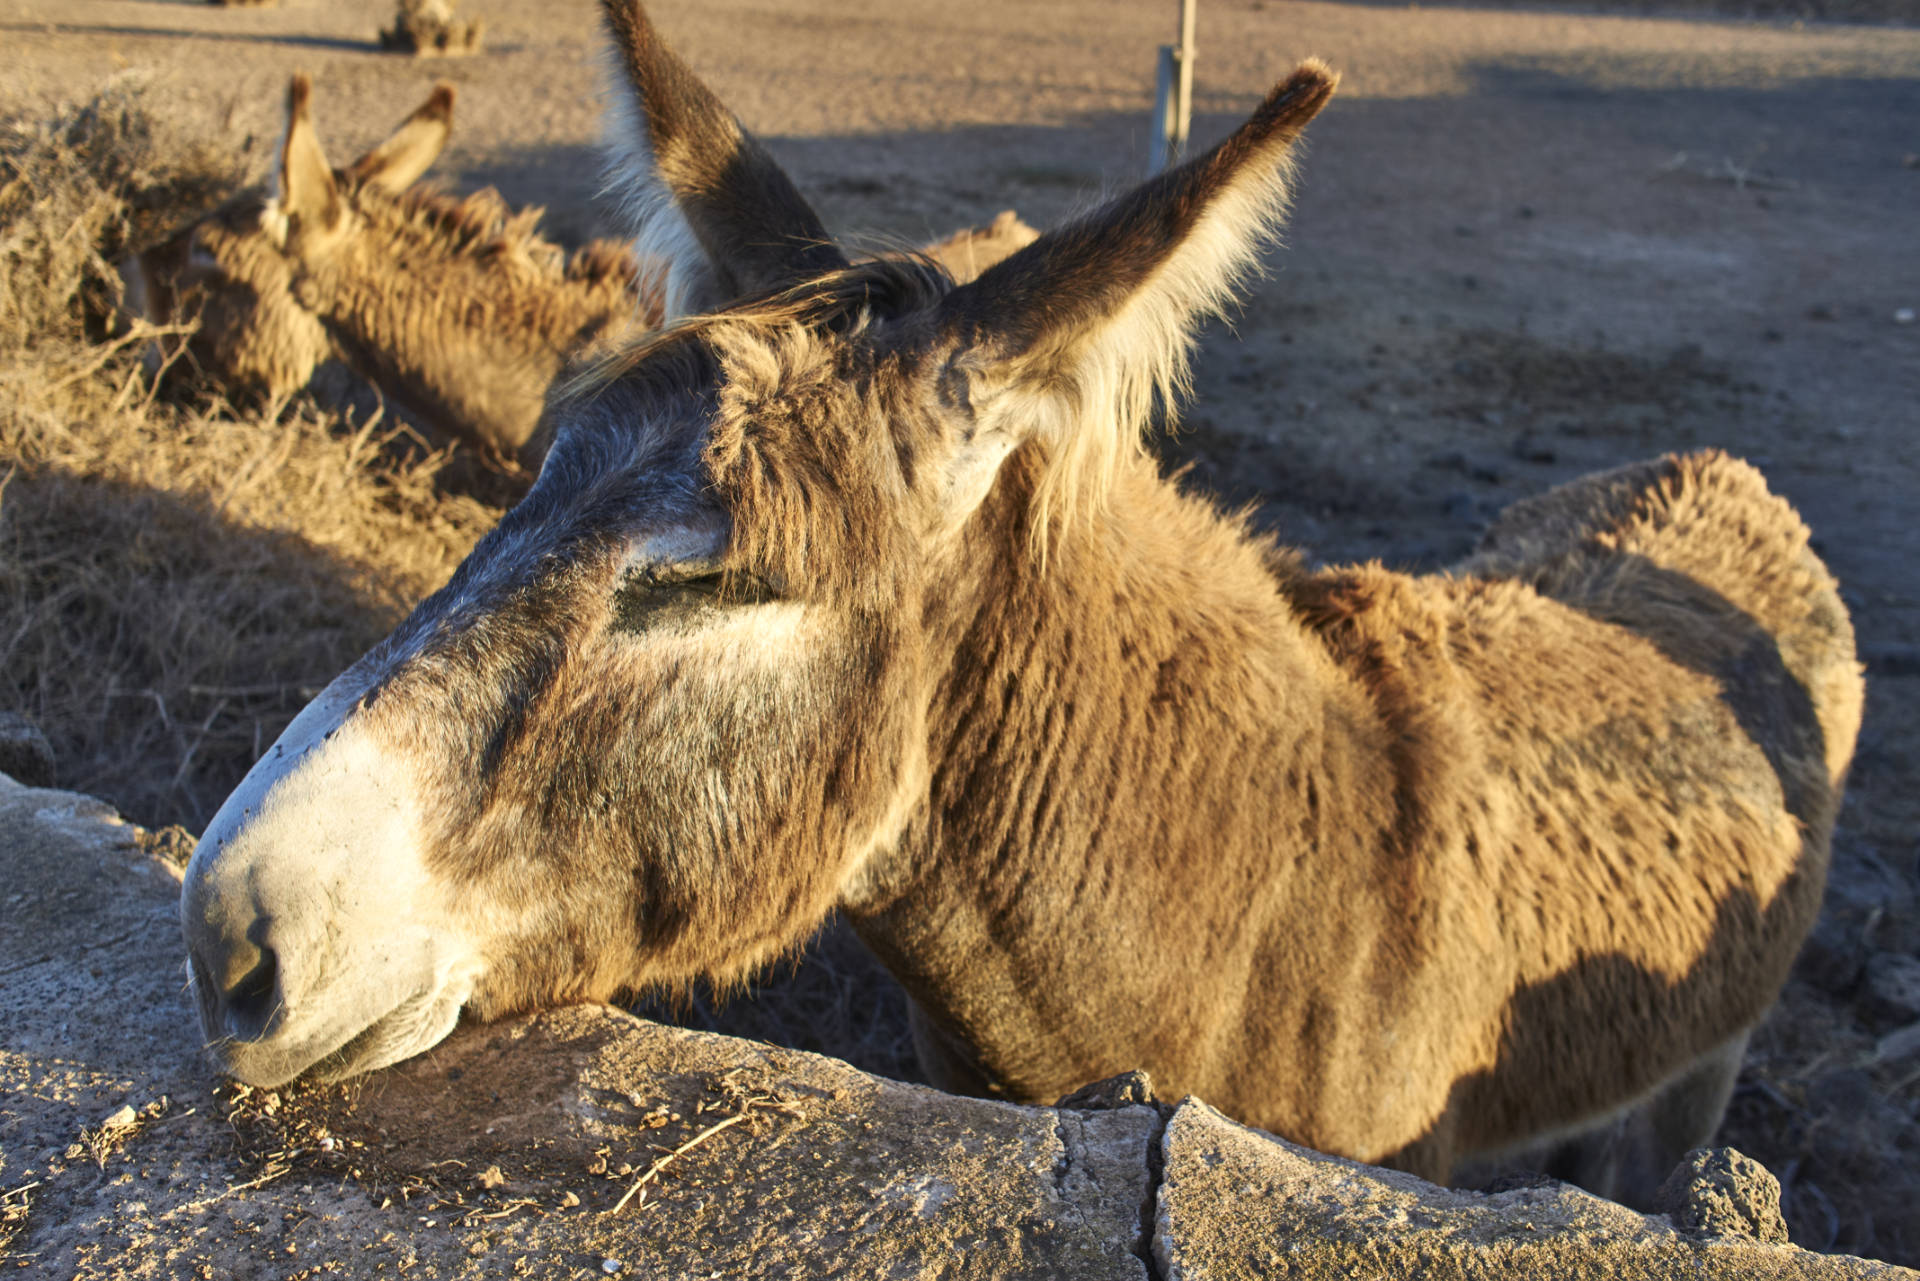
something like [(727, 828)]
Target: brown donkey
[(851, 588), (456, 309)]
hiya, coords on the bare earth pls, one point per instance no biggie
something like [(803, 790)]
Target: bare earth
[(1527, 245)]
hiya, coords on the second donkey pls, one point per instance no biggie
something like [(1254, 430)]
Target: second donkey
[(456, 309)]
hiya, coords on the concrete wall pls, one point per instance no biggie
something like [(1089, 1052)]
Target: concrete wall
[(586, 1142)]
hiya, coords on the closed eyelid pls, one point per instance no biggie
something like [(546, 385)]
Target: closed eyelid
[(669, 572), (644, 599)]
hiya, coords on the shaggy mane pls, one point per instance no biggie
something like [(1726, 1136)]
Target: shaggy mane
[(842, 302), (483, 225)]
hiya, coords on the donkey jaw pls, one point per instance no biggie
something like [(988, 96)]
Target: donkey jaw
[(315, 939), (416, 1023)]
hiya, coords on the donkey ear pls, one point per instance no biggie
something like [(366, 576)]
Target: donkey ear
[(1074, 337), (307, 191), (706, 199), (397, 163)]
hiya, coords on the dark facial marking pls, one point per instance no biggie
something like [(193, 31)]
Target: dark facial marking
[(669, 594)]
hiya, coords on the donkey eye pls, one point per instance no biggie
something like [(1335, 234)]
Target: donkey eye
[(668, 593)]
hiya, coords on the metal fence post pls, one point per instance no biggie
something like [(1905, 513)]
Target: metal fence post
[(1173, 96)]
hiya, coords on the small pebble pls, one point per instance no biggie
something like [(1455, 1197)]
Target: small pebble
[(609, 1266), (1904, 316)]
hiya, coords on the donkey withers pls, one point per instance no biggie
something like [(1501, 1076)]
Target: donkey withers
[(456, 309), (851, 588)]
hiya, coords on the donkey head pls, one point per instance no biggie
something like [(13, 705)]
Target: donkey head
[(236, 270), (673, 708)]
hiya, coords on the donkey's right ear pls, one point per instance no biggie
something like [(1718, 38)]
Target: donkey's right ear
[(309, 198), (1076, 338), (705, 198), (399, 161)]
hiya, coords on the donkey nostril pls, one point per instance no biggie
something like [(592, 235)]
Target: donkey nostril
[(250, 999)]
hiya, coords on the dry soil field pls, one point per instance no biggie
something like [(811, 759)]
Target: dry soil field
[(1527, 244)]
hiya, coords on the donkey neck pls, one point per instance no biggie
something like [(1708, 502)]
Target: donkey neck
[(1107, 723), (464, 339)]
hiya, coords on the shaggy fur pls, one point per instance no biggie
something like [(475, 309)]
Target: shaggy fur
[(1410, 869), (1454, 864)]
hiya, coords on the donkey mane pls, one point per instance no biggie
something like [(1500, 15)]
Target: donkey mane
[(480, 226), (484, 226), (844, 302)]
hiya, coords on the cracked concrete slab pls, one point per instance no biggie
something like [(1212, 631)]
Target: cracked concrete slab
[(1239, 1203)]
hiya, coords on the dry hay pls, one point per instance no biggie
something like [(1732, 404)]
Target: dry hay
[(175, 578), (15, 1205), (77, 190)]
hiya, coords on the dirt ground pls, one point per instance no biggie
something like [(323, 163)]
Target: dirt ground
[(1527, 244)]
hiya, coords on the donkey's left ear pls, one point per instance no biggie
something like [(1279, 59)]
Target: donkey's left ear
[(397, 163), (706, 199), (1076, 336), (309, 199)]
